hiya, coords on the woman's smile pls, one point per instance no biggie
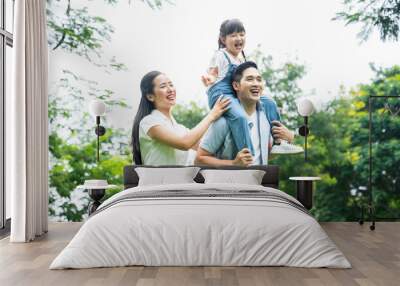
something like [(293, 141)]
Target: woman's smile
[(171, 96)]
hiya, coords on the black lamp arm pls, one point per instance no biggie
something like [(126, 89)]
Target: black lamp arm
[(304, 130), (100, 131)]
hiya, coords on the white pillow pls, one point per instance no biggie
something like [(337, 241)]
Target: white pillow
[(249, 177), (166, 176)]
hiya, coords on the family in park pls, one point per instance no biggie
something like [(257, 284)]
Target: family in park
[(242, 128)]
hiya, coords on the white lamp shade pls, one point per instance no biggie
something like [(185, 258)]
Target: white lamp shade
[(305, 107), (97, 108)]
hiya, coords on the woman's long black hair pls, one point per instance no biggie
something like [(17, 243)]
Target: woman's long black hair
[(229, 27), (144, 109)]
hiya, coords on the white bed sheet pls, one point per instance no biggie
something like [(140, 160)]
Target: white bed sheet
[(200, 231)]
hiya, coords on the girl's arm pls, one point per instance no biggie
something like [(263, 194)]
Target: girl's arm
[(217, 62), (191, 138)]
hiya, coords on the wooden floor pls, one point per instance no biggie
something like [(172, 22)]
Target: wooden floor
[(374, 255)]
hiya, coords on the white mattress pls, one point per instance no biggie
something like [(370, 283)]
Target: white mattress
[(183, 231)]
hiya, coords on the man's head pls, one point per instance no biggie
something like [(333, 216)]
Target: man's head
[(247, 82)]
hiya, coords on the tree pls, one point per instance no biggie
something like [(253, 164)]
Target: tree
[(72, 142), (385, 138), (338, 142), (282, 84), (383, 15), (327, 148)]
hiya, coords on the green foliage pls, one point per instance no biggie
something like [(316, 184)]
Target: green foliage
[(338, 142), (383, 15), (327, 148), (385, 138), (338, 149), (72, 144), (282, 84), (71, 165), (76, 31), (189, 114)]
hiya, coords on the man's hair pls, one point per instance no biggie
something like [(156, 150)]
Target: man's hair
[(238, 73)]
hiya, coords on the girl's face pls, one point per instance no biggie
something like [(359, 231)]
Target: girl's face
[(164, 94), (235, 42)]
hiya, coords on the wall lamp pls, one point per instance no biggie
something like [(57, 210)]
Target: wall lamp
[(305, 108), (97, 109)]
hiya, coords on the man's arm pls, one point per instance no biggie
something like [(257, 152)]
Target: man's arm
[(213, 140), (206, 158), (243, 158)]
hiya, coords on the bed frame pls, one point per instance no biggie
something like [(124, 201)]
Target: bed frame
[(270, 179)]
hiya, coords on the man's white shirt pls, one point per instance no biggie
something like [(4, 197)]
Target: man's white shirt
[(255, 137)]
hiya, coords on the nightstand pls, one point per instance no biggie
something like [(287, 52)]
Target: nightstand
[(304, 190), (96, 190)]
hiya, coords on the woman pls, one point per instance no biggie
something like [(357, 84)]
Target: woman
[(156, 137)]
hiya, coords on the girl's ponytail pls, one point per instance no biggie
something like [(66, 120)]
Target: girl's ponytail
[(222, 34), (220, 43)]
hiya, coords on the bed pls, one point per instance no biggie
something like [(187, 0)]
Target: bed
[(198, 224)]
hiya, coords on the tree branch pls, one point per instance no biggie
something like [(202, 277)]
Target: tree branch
[(64, 33)]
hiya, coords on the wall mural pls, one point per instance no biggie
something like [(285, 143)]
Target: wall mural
[(82, 38)]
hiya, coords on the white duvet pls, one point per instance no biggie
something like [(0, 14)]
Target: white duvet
[(185, 231)]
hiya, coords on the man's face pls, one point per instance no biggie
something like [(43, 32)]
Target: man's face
[(250, 87)]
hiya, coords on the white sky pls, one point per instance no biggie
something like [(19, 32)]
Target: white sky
[(180, 40)]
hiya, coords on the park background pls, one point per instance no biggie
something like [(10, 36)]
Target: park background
[(336, 53)]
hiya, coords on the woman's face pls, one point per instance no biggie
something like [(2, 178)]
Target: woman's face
[(164, 94)]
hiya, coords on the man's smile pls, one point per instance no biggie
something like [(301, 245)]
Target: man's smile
[(255, 91)]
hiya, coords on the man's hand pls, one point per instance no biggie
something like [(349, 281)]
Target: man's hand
[(243, 158), (280, 131)]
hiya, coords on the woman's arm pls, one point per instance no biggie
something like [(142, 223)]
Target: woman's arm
[(190, 139), (196, 146)]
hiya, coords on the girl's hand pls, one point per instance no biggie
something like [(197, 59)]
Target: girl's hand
[(208, 79), (220, 106)]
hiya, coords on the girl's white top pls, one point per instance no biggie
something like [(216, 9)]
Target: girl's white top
[(220, 61)]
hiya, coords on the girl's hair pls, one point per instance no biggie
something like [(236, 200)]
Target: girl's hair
[(144, 109), (229, 27)]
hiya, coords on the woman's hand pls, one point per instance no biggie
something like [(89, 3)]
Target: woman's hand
[(220, 106), (280, 131)]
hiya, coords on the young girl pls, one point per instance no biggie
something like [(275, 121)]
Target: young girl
[(232, 38)]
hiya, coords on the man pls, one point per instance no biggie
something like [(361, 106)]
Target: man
[(217, 146)]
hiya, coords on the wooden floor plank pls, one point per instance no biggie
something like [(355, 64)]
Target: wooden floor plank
[(374, 255)]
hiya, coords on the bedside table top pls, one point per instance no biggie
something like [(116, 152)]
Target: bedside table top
[(305, 178)]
